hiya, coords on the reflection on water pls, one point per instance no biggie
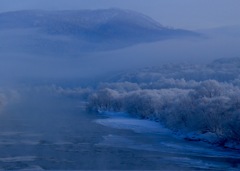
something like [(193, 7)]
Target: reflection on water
[(56, 134)]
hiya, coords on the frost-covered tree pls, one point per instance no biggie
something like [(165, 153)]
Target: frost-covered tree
[(182, 97)]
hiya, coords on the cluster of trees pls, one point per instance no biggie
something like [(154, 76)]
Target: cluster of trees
[(186, 98), (222, 70)]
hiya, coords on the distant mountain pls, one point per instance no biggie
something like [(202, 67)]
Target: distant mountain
[(229, 31), (84, 30)]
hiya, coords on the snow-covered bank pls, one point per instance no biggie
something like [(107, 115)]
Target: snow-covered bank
[(163, 140), (199, 102), (122, 120), (211, 108), (202, 103)]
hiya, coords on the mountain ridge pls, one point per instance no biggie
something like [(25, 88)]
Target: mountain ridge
[(104, 29), (83, 14)]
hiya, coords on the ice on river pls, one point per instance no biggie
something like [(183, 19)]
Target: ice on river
[(175, 149), (121, 120)]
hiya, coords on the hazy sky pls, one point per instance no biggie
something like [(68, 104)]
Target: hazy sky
[(191, 14)]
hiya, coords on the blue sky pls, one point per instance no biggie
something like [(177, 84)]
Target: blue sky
[(191, 14)]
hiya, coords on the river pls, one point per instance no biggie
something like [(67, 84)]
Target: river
[(41, 132)]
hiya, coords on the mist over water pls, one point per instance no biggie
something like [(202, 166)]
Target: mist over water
[(93, 64), (45, 131), (31, 47), (62, 71)]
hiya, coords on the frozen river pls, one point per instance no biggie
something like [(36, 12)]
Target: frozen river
[(52, 133)]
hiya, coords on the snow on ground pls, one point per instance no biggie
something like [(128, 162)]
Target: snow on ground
[(166, 141), (122, 120)]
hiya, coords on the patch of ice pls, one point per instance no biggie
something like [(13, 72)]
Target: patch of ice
[(7, 142), (197, 164), (18, 159), (15, 142), (34, 167), (28, 142), (124, 121), (202, 151), (178, 156), (122, 142), (32, 135), (10, 133), (168, 142), (63, 143)]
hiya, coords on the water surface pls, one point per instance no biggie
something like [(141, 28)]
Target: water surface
[(44, 132)]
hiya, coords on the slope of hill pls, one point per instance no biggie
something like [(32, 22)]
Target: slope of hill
[(85, 30)]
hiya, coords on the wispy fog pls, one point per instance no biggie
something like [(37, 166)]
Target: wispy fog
[(41, 45), (78, 78), (15, 66)]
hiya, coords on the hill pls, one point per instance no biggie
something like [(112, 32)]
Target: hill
[(83, 30)]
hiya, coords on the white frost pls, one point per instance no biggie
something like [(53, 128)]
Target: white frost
[(121, 120)]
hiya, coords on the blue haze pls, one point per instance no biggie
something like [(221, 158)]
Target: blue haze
[(200, 16), (183, 14)]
